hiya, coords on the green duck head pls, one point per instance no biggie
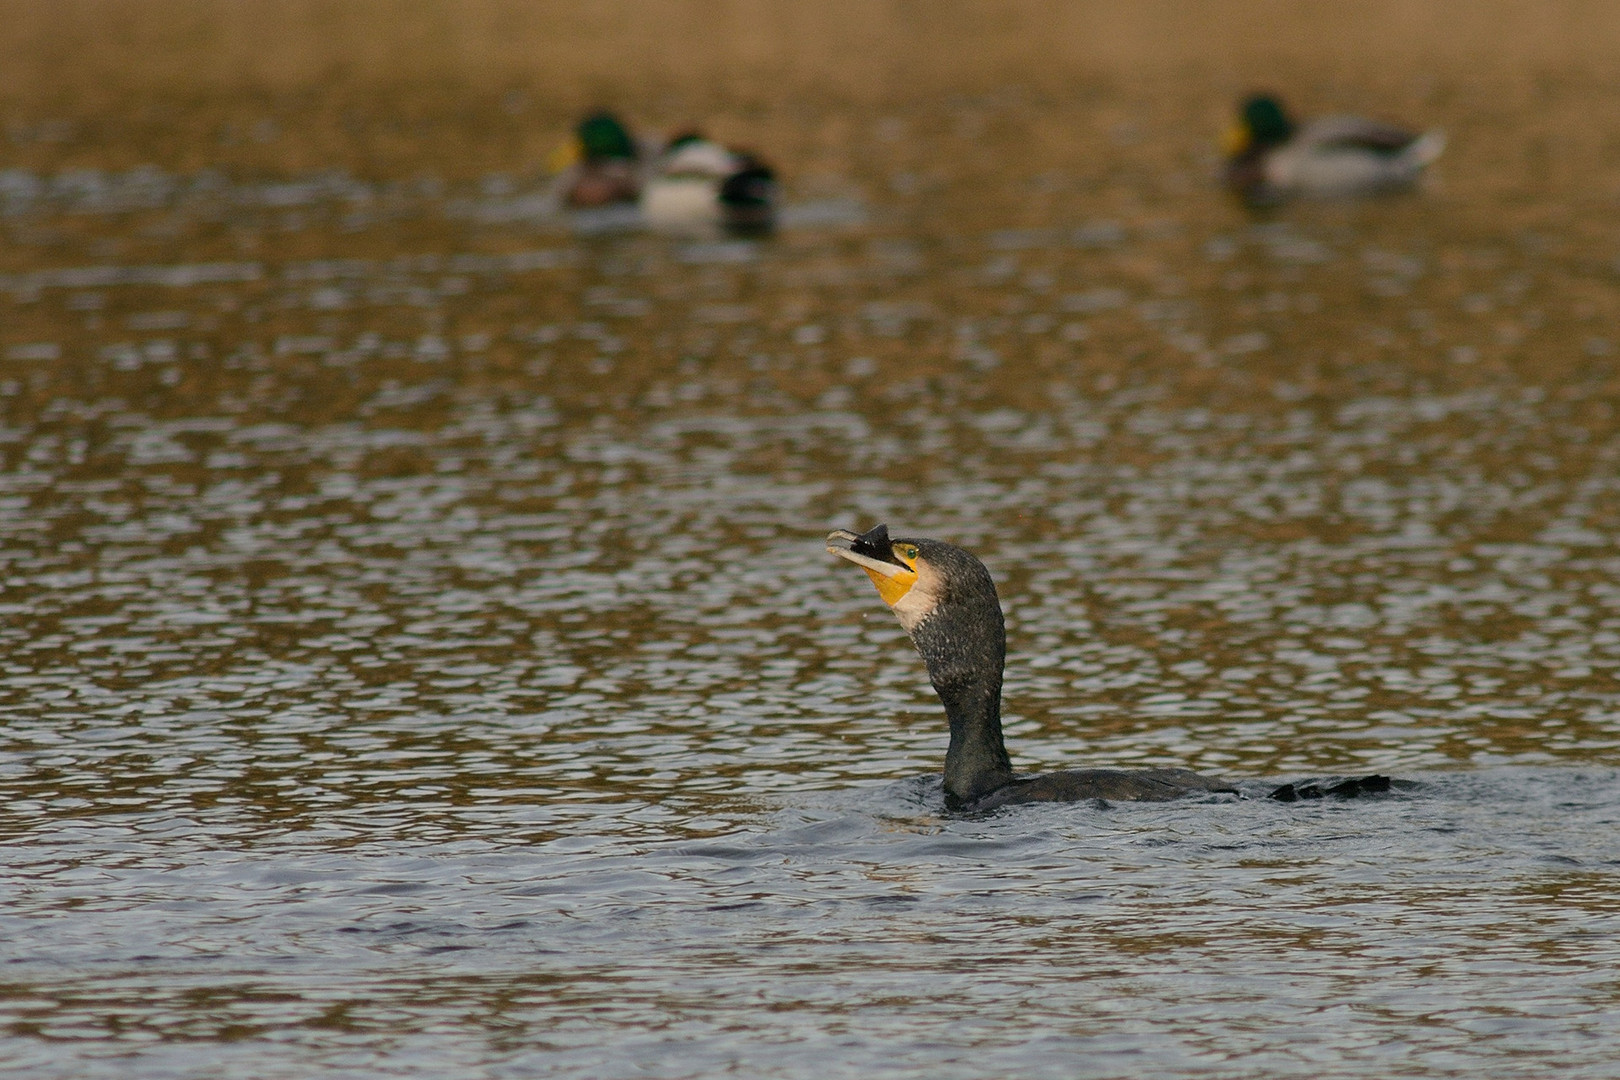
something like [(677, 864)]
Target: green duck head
[(603, 138), (1266, 122)]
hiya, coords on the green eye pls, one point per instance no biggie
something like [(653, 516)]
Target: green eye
[(907, 551)]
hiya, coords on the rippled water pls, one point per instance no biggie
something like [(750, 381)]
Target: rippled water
[(420, 657)]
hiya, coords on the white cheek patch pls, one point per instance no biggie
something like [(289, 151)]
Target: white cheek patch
[(919, 602)]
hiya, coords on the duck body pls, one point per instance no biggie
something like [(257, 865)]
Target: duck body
[(1272, 159), (699, 187), (947, 604)]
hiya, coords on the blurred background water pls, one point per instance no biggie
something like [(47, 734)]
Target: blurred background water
[(419, 655)]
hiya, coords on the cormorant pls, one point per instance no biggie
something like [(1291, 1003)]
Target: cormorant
[(947, 604)]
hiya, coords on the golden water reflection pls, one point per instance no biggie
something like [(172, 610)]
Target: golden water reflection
[(418, 654)]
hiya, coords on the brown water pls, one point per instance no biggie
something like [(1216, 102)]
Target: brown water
[(420, 658)]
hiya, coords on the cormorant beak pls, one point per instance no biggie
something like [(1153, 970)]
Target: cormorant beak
[(873, 552)]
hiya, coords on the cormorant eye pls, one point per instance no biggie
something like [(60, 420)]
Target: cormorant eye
[(907, 551)]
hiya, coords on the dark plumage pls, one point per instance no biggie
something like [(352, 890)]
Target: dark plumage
[(947, 603)]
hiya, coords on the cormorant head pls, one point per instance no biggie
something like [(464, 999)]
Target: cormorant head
[(918, 578)]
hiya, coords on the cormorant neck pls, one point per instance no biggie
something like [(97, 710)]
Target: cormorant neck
[(964, 646), (976, 762)]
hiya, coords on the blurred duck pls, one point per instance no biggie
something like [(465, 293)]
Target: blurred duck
[(600, 165), (699, 186), (1271, 158)]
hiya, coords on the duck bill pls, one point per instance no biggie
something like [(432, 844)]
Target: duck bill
[(872, 552), (565, 156), (1235, 141)]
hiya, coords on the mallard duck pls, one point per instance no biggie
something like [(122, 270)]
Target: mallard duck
[(1271, 158), (599, 165), (700, 186)]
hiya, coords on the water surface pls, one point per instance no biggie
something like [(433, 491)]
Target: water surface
[(419, 655)]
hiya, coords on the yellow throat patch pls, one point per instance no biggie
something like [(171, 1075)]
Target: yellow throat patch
[(893, 579), (892, 588)]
